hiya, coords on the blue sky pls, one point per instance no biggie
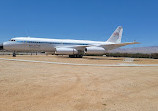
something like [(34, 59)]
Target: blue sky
[(80, 19)]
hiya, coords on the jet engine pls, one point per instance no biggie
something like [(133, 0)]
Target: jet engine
[(95, 50), (66, 51)]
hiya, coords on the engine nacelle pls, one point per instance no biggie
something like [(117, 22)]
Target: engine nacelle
[(95, 50), (66, 51)]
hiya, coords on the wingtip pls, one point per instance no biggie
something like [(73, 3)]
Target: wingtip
[(136, 42)]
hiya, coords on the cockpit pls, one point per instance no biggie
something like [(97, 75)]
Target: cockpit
[(12, 40)]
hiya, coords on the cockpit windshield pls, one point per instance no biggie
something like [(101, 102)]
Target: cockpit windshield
[(11, 40)]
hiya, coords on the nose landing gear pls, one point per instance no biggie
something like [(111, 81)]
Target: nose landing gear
[(1, 46), (14, 54)]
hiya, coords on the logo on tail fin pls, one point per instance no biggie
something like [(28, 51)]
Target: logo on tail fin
[(116, 36), (116, 33)]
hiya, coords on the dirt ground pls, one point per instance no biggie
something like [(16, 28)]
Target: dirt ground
[(26, 86)]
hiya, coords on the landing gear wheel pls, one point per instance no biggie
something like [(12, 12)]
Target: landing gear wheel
[(75, 56), (80, 56), (71, 56), (14, 54)]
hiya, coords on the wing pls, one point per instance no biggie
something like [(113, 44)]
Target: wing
[(114, 46), (80, 47), (77, 47)]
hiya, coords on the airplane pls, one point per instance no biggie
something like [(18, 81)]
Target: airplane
[(73, 48)]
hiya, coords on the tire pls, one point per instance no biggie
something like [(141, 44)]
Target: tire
[(80, 56), (14, 54), (71, 56), (75, 56)]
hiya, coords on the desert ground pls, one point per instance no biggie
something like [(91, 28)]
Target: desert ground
[(26, 86)]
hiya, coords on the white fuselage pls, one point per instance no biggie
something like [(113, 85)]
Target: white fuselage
[(47, 45)]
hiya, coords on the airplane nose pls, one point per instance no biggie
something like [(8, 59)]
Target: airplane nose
[(1, 46)]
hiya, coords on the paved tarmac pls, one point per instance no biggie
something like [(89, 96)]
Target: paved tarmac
[(75, 64)]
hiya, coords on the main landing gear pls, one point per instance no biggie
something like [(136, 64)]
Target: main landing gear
[(75, 56)]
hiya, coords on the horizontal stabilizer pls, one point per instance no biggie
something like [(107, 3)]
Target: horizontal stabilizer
[(114, 46)]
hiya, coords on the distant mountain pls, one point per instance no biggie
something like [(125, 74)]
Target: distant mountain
[(145, 50)]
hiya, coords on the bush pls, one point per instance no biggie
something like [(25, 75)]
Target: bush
[(137, 55), (154, 55)]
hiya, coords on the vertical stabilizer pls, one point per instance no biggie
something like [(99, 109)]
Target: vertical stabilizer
[(116, 36)]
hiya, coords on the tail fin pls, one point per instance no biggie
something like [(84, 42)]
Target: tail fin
[(116, 36)]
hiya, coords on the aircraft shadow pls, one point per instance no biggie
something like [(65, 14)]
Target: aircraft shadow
[(95, 58)]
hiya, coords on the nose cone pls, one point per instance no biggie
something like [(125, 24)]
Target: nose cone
[(1, 46)]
